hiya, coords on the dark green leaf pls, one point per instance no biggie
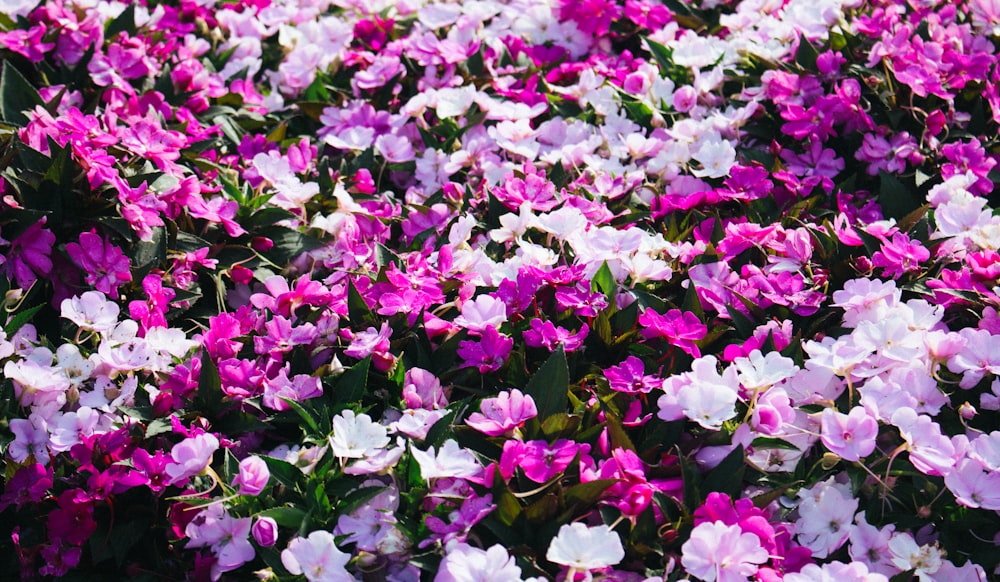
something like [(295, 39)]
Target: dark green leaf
[(125, 22), (209, 384), (288, 244), (896, 198), (16, 96), (305, 415), (727, 477), (549, 385), (22, 317), (283, 472), (353, 383), (285, 516)]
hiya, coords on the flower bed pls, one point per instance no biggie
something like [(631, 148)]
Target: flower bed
[(483, 290)]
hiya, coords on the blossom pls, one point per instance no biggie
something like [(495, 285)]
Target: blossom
[(252, 477), (356, 436), (502, 414), (487, 355), (317, 558), (91, 311), (450, 460), (484, 311), (852, 435), (906, 554), (191, 456), (721, 552), (464, 563), (583, 548), (104, 265)]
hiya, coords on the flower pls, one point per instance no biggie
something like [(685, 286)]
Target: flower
[(356, 436), (191, 456), (104, 265), (450, 460), (252, 477), (464, 563), (852, 435), (583, 548), (317, 558), (723, 553), (504, 413)]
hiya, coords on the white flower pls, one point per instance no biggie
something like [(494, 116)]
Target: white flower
[(317, 558), (485, 310), (583, 548), (464, 563), (356, 436), (91, 311), (450, 460), (907, 555)]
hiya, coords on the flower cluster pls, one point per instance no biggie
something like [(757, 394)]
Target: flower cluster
[(500, 290)]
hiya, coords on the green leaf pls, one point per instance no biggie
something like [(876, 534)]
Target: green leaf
[(209, 384), (896, 198), (353, 383), (288, 244), (662, 55), (560, 425), (125, 22), (727, 477), (17, 95), (806, 56), (283, 472), (304, 415), (549, 385), (285, 516), (773, 443), (508, 507), (357, 308), (585, 494), (15, 323), (604, 282)]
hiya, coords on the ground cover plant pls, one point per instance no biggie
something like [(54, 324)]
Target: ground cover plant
[(500, 290)]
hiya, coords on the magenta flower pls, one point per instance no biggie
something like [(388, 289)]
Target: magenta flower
[(630, 377), (265, 531), (540, 460), (73, 521), (550, 336), (900, 256), (500, 415), (487, 355), (104, 265), (680, 329), (30, 255)]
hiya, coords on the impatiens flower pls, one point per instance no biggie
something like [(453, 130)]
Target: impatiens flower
[(30, 255), (504, 413), (679, 328), (487, 355), (265, 531), (104, 265), (851, 436), (826, 513), (583, 548), (906, 554), (482, 312), (91, 311), (252, 477), (191, 456), (356, 436), (464, 563), (723, 553), (450, 460), (317, 558)]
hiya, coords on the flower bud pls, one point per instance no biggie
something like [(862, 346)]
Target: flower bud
[(265, 531), (253, 476)]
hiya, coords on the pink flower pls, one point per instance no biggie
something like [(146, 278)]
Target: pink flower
[(503, 414), (104, 265), (723, 553), (317, 558), (30, 255), (191, 456), (630, 377), (489, 354), (265, 531), (464, 563), (252, 477), (482, 312), (851, 436), (540, 460), (680, 329)]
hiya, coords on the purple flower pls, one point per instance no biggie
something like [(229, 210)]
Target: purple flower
[(487, 355), (265, 531), (104, 265), (30, 255)]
